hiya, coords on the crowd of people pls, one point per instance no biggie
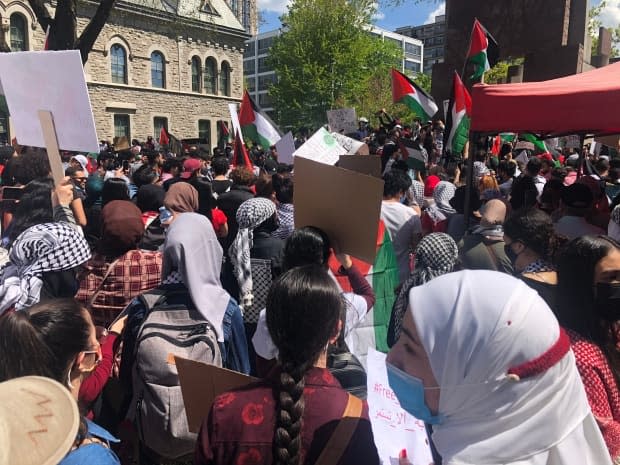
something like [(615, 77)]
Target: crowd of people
[(503, 321)]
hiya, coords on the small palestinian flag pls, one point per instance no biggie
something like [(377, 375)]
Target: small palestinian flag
[(539, 144), (405, 91), (459, 116), (412, 154), (483, 51), (255, 125), (240, 154)]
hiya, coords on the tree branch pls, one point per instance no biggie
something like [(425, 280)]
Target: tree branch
[(43, 16), (87, 39)]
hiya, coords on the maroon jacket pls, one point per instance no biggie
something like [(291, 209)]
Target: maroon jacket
[(241, 425)]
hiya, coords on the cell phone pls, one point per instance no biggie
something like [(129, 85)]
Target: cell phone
[(11, 193)]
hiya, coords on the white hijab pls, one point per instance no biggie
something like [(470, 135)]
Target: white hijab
[(192, 250), (474, 326)]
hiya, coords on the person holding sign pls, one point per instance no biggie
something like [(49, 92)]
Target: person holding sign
[(294, 415), (482, 358)]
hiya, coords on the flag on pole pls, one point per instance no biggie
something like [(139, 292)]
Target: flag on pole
[(483, 51), (255, 125), (459, 116), (407, 92), (412, 154), (240, 154), (382, 275), (46, 45), (539, 144)]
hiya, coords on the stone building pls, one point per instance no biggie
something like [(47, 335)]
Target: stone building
[(156, 63)]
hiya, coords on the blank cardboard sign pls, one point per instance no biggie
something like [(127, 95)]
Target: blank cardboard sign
[(54, 82), (201, 384), (344, 204), (364, 164)]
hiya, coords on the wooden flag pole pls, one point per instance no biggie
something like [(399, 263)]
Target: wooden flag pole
[(51, 144)]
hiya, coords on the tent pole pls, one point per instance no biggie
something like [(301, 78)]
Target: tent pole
[(582, 140), (469, 180)]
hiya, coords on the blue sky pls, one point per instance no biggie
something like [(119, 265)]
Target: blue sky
[(411, 14)]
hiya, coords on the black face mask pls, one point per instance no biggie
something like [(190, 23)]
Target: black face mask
[(608, 300), (510, 253)]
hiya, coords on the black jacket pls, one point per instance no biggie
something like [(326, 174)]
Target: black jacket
[(229, 203)]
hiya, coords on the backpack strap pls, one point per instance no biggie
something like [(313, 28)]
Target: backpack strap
[(341, 437)]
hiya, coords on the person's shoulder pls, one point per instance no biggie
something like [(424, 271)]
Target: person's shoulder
[(95, 449)]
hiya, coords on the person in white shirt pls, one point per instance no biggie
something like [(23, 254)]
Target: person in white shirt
[(532, 169), (401, 221), (576, 201)]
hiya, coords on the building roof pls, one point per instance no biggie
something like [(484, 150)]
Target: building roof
[(208, 11)]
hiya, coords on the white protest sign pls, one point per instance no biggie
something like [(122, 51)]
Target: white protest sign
[(572, 142), (285, 148), (344, 119), (393, 428), (321, 147), (52, 82), (352, 146), (234, 119)]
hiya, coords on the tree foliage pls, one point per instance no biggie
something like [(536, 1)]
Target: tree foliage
[(63, 25), (594, 23), (499, 72), (326, 58)]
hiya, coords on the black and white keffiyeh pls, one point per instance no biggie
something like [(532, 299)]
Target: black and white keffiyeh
[(435, 255), (250, 215), (417, 192), (441, 209), (40, 249)]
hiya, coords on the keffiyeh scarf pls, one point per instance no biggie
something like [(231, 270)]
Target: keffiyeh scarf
[(251, 214), (43, 248), (435, 255), (442, 209)]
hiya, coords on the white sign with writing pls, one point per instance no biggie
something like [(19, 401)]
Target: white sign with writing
[(393, 428), (285, 148), (321, 147), (52, 82), (344, 119), (347, 143)]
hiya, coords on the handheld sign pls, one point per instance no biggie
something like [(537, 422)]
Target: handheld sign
[(344, 119), (352, 146), (285, 148), (344, 204), (364, 164), (321, 147)]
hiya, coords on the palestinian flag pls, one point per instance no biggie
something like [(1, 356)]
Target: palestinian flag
[(163, 137), (407, 92), (539, 144), (412, 154), (240, 154), (383, 277), (483, 51), (255, 125), (459, 114)]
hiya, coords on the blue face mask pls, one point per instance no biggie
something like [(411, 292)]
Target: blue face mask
[(409, 391)]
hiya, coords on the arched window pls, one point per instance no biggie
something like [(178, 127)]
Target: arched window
[(225, 79), (19, 42), (210, 81), (158, 70), (118, 60), (196, 74)]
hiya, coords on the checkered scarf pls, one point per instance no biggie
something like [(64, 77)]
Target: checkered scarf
[(441, 210), (417, 192), (435, 255), (250, 215), (41, 249)]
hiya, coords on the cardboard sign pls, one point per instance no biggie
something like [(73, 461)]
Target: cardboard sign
[(285, 148), (121, 143), (352, 146), (321, 147), (364, 164), (201, 384), (572, 142), (393, 428), (344, 204), (53, 82), (344, 119)]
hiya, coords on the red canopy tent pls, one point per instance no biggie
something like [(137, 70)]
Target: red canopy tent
[(586, 103)]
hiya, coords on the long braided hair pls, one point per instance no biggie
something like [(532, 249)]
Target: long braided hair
[(303, 309)]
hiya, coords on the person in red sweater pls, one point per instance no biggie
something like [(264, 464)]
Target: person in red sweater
[(589, 308)]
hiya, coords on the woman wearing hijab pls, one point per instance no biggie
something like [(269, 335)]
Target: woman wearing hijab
[(182, 197), (119, 271), (435, 217), (43, 262), (482, 358), (435, 255)]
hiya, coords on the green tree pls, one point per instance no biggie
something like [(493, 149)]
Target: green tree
[(499, 72), (326, 58), (594, 23)]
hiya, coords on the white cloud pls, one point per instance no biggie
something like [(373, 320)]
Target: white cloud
[(277, 6), (610, 15), (440, 10)]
